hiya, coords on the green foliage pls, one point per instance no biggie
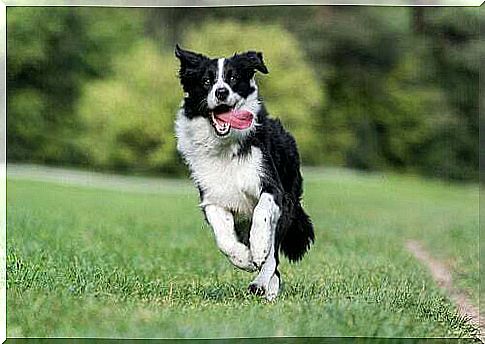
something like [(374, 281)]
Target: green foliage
[(402, 87), (51, 53), (396, 89), (452, 38), (290, 90), (359, 57), (128, 117)]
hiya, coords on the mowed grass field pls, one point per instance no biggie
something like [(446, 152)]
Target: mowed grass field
[(140, 262)]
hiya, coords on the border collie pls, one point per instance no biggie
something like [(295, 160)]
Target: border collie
[(245, 165)]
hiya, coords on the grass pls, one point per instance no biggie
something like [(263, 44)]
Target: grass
[(85, 261)]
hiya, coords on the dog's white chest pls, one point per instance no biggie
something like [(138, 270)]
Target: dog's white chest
[(230, 182), (226, 179)]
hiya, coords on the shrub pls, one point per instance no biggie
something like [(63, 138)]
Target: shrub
[(128, 118), (52, 52)]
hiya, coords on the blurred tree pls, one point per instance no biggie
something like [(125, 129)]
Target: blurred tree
[(128, 118), (402, 86), (371, 88), (51, 53), (360, 46), (452, 37)]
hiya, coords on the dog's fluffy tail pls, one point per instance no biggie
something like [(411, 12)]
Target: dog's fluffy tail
[(298, 236)]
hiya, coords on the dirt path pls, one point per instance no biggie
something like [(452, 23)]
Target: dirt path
[(442, 276)]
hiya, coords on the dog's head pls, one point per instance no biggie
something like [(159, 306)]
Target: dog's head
[(223, 90)]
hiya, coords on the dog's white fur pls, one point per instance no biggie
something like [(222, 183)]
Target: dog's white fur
[(232, 98), (227, 180), (222, 223), (232, 184), (261, 238)]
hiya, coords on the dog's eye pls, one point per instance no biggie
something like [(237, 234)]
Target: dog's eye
[(232, 78), (207, 82)]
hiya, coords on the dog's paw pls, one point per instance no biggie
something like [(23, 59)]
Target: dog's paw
[(256, 289), (241, 257), (273, 288), (269, 291), (249, 267)]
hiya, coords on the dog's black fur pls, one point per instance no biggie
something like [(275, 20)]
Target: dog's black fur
[(283, 180), (281, 161)]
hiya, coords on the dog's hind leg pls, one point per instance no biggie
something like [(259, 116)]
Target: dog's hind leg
[(222, 223)]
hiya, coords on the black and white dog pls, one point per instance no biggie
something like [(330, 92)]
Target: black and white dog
[(245, 165)]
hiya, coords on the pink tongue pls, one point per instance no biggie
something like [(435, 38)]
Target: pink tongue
[(238, 119)]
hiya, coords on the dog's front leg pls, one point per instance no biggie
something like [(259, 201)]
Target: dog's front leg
[(265, 219), (222, 223)]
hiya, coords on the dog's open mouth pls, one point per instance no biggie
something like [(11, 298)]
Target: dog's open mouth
[(224, 118)]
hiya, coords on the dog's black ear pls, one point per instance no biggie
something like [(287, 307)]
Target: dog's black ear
[(188, 58), (255, 60)]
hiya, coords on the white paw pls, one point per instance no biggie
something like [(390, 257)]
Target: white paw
[(273, 288), (257, 288), (269, 289), (240, 256)]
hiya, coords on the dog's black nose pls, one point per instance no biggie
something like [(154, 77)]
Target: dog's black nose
[(222, 93)]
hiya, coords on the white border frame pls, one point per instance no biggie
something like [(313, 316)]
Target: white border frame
[(134, 3), (238, 3), (3, 172)]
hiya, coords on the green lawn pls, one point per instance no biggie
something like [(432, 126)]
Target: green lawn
[(85, 261)]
